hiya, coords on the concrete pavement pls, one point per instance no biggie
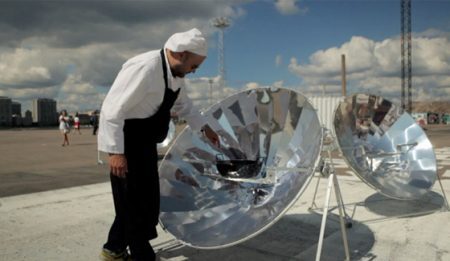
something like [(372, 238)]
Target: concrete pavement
[(68, 209), (72, 223)]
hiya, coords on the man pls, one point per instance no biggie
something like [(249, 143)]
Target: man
[(134, 117), (94, 122)]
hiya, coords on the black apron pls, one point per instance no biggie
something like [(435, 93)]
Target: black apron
[(137, 196)]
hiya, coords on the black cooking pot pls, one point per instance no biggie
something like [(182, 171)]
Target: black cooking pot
[(238, 168)]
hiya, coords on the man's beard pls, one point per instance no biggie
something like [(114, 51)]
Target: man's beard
[(177, 73)]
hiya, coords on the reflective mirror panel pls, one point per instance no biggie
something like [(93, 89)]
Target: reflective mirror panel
[(384, 147), (169, 138), (216, 197)]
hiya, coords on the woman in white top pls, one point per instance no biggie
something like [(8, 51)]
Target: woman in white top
[(64, 127)]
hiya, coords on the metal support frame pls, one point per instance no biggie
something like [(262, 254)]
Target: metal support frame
[(326, 169), (333, 182), (443, 193), (406, 53), (168, 245)]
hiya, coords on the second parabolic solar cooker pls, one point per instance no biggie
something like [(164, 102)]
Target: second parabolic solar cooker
[(213, 197), (385, 147)]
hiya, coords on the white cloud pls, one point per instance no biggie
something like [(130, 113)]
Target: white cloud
[(252, 85), (65, 58), (30, 93), (71, 102), (278, 84), (57, 73), (24, 68), (204, 93), (288, 7), (77, 95), (278, 60), (374, 67), (74, 85), (233, 12)]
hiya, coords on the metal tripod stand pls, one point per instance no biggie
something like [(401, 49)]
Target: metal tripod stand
[(327, 170)]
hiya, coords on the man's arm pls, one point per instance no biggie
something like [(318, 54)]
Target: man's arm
[(129, 88), (198, 122)]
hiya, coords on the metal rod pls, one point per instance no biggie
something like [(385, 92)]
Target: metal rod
[(333, 182), (338, 190), (287, 169), (343, 79), (443, 192), (324, 217), (341, 217), (313, 203)]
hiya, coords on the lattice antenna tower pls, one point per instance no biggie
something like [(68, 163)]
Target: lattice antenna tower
[(406, 54), (221, 23)]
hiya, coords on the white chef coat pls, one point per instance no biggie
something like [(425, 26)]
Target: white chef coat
[(138, 92)]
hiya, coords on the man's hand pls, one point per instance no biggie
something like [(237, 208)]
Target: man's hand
[(211, 135), (118, 165)]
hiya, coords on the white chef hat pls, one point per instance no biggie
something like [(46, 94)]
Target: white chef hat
[(191, 41)]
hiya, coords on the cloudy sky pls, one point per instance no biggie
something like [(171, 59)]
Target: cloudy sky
[(72, 50)]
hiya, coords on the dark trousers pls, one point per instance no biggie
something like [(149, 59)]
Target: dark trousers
[(94, 130), (136, 198), (136, 202)]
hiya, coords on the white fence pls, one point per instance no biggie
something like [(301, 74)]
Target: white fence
[(326, 106)]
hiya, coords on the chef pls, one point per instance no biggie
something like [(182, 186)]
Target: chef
[(134, 117)]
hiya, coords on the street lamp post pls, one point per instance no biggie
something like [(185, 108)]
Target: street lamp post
[(221, 23)]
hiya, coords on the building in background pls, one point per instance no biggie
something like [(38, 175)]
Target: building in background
[(5, 111), (27, 120), (16, 117), (16, 108), (326, 106), (44, 112)]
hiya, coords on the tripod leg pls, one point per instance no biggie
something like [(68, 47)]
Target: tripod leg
[(313, 203), (324, 217), (443, 192), (341, 217)]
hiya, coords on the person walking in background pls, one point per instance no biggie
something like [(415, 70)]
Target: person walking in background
[(94, 122), (76, 123), (134, 117), (64, 127)]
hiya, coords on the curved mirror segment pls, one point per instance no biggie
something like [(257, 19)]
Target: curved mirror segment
[(169, 138), (215, 197), (384, 147)]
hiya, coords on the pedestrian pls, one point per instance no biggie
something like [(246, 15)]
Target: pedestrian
[(94, 122), (134, 117), (76, 123), (64, 127)]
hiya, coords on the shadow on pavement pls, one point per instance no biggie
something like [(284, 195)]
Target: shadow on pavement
[(388, 207), (293, 237)]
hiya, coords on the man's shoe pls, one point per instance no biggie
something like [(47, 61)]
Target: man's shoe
[(108, 255)]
